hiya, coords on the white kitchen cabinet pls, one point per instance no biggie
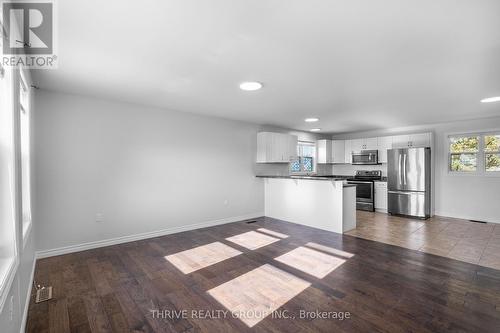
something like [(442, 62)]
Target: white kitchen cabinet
[(348, 151), (364, 144), (331, 151), (357, 145), (384, 144), (381, 196), (371, 144), (276, 147), (338, 152), (400, 141), (420, 140), (412, 140), (324, 151)]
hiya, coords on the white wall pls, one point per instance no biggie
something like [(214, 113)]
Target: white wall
[(468, 197), (145, 169)]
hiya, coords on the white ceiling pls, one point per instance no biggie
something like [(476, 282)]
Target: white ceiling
[(356, 64)]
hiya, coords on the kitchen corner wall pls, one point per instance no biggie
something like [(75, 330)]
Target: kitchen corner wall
[(459, 196), (143, 169)]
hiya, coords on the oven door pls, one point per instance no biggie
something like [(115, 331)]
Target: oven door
[(364, 194), (365, 157)]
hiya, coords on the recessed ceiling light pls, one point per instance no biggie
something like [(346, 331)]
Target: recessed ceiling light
[(250, 86), (311, 120), (491, 99), (315, 129)]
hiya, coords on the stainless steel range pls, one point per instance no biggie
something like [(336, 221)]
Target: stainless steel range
[(364, 181)]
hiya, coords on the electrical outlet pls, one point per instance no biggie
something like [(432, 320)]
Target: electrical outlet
[(11, 308), (99, 217)]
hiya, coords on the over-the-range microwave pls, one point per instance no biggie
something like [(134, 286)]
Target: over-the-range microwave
[(365, 157)]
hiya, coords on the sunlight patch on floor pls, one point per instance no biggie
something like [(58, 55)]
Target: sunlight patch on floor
[(272, 233), (252, 240), (202, 256), (310, 261), (254, 295), (331, 250)]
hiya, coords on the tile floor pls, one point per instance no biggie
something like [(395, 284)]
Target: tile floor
[(477, 243)]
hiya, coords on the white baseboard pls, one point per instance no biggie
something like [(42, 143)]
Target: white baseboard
[(466, 217), (28, 298), (131, 238)]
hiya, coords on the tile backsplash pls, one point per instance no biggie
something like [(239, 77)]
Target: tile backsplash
[(282, 169), (348, 169)]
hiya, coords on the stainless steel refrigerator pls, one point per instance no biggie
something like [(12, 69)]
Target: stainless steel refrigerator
[(409, 181)]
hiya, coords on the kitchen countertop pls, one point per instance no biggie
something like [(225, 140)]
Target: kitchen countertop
[(329, 178)]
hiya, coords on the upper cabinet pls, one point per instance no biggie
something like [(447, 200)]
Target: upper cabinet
[(384, 143), (371, 144), (276, 147), (364, 144), (338, 152), (412, 140), (281, 148), (331, 151), (324, 151), (348, 151), (357, 145)]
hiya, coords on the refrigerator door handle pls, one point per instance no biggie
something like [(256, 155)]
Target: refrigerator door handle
[(404, 169), (399, 169)]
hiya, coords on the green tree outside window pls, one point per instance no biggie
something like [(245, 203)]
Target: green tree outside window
[(492, 149), (463, 153)]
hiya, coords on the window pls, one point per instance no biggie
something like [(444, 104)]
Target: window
[(492, 152), (8, 255), (475, 154), (463, 153), (306, 161), (24, 125)]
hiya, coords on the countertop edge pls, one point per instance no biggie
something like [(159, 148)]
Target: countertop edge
[(307, 178)]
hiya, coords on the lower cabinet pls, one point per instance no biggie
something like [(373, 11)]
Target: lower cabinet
[(381, 196)]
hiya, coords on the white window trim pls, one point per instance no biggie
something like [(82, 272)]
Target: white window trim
[(26, 224), (10, 266), (315, 158), (26, 233), (481, 155)]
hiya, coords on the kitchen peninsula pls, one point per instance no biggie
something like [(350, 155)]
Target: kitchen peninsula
[(321, 202)]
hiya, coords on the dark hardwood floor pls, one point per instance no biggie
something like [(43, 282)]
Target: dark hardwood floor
[(385, 288)]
